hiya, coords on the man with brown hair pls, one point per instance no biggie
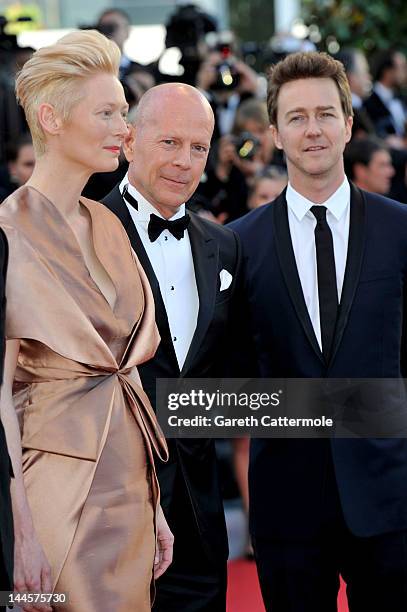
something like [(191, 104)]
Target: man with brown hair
[(368, 164), (325, 268)]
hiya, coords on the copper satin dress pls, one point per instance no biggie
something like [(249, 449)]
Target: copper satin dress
[(88, 431)]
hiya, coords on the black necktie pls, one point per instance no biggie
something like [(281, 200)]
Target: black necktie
[(157, 225), (327, 287), (129, 198)]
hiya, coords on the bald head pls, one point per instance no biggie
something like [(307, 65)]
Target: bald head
[(171, 97), (168, 145)]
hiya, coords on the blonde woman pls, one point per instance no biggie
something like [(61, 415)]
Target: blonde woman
[(80, 318)]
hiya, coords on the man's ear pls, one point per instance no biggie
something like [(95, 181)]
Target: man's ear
[(276, 137), (348, 129), (49, 119), (129, 143)]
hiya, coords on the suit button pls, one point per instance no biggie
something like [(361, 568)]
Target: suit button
[(175, 338), (172, 287)]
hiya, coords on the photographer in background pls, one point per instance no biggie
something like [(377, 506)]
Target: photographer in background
[(252, 117), (226, 81), (234, 161), (186, 30), (237, 159)]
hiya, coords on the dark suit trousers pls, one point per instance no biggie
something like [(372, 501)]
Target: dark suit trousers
[(303, 576), (193, 582), (4, 579)]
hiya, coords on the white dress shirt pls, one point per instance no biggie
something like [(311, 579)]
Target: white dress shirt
[(302, 225), (173, 266)]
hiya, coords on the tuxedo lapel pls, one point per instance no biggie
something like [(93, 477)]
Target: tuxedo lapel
[(205, 253), (289, 270), (356, 245), (115, 202)]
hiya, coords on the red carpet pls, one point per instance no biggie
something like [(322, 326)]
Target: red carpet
[(244, 592)]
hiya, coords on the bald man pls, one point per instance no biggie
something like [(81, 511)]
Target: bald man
[(192, 267)]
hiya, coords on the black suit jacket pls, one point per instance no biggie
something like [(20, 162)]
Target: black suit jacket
[(213, 248), (287, 476), (6, 521), (380, 116)]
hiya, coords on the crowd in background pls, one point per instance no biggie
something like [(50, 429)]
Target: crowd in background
[(244, 169)]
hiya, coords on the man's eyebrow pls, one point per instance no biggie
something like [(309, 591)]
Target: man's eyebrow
[(301, 109)]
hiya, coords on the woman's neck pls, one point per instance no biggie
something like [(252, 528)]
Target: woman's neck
[(61, 181)]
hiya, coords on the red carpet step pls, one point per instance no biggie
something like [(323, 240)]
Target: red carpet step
[(244, 592)]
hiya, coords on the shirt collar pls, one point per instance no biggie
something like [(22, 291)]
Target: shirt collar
[(357, 101), (145, 209), (124, 61), (385, 94), (337, 203)]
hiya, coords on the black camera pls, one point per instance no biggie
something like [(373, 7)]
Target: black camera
[(246, 145), (186, 28), (227, 77), (107, 29), (8, 42)]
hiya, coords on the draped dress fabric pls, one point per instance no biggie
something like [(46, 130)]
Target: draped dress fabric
[(89, 434)]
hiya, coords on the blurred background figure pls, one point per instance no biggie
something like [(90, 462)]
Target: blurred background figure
[(19, 167), (21, 160), (12, 58), (226, 81), (186, 31), (115, 24), (360, 82), (136, 78), (368, 164), (237, 159), (252, 118), (267, 186), (385, 107), (224, 187)]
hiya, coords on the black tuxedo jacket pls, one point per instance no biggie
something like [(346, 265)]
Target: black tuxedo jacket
[(380, 115), (213, 248), (287, 477), (6, 522)]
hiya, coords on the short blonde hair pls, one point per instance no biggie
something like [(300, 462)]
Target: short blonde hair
[(53, 73)]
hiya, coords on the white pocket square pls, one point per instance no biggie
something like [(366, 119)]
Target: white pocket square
[(225, 279)]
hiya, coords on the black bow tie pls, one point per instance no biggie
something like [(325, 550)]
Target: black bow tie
[(157, 225), (129, 198)]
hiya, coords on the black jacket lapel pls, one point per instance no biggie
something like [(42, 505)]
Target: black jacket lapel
[(288, 267), (356, 245), (205, 253), (116, 204)]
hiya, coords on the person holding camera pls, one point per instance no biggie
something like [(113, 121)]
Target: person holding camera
[(226, 82)]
